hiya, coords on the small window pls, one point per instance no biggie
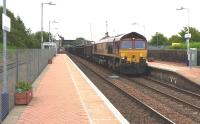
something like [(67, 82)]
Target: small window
[(126, 44), (139, 44)]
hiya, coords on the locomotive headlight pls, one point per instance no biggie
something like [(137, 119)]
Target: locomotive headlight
[(124, 57)]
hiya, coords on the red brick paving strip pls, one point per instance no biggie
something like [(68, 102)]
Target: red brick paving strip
[(56, 100), (98, 107)]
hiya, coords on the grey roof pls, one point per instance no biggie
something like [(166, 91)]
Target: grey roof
[(122, 36)]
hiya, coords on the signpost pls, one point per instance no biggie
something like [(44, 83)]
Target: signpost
[(5, 22), (188, 36), (4, 100)]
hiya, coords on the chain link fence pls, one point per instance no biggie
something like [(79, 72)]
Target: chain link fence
[(23, 65)]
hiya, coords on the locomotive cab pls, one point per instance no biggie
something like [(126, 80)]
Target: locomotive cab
[(133, 50)]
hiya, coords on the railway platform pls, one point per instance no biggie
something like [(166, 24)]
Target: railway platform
[(191, 73), (64, 95)]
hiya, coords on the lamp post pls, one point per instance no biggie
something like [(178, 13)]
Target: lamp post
[(42, 4), (4, 94), (4, 63), (5, 88), (50, 28), (91, 31), (187, 35), (157, 39)]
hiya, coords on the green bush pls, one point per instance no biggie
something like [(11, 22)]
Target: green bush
[(184, 45), (23, 86), (195, 45), (180, 46)]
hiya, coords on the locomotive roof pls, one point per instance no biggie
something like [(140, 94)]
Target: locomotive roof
[(122, 36), (131, 35)]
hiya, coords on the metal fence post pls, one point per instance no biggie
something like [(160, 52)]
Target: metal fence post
[(27, 64), (38, 62), (17, 66)]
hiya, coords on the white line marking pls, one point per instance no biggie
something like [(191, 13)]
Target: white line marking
[(81, 99)]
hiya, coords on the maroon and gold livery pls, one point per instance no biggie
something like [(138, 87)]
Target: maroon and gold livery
[(126, 53)]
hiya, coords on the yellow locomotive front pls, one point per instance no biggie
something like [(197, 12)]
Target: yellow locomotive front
[(133, 54), (133, 50)]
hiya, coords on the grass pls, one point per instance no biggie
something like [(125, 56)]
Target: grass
[(1, 46), (184, 45), (8, 47), (11, 54)]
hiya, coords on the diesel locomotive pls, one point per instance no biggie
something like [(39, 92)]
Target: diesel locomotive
[(125, 53)]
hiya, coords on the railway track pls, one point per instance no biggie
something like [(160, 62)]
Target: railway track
[(187, 97), (194, 98), (182, 101), (125, 89)]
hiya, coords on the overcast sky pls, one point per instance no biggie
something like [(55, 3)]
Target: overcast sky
[(87, 18)]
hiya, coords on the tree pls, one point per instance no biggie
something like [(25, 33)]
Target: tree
[(175, 39), (80, 39), (37, 37), (19, 36), (195, 34), (159, 39), (13, 21)]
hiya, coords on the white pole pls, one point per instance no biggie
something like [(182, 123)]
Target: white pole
[(106, 28), (41, 24), (91, 31), (188, 39), (157, 39), (49, 30), (5, 88), (4, 54)]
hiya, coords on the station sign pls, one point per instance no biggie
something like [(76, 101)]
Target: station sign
[(187, 35), (5, 22)]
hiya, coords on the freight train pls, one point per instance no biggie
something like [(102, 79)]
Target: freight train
[(126, 53)]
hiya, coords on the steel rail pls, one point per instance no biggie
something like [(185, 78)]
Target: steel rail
[(173, 97), (174, 87)]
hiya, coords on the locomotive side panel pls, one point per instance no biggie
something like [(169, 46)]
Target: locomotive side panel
[(107, 49)]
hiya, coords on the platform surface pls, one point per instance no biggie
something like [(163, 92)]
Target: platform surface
[(192, 73), (63, 96)]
